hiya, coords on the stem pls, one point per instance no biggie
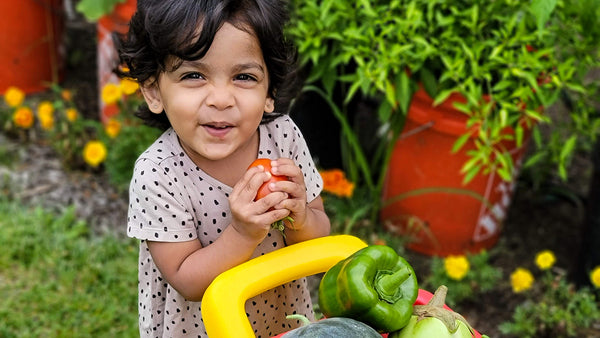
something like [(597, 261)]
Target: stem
[(435, 309), (350, 135), (299, 317), (432, 190), (439, 297), (388, 285)]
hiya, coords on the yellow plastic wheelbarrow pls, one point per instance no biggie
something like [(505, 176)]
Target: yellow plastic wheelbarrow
[(223, 302)]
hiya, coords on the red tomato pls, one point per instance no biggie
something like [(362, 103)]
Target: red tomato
[(264, 189)]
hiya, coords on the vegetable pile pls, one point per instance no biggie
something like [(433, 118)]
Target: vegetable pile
[(378, 288)]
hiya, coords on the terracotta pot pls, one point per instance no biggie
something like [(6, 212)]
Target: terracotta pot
[(117, 21), (31, 44), (424, 197)]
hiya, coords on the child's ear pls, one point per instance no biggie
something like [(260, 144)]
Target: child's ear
[(269, 105), (153, 99)]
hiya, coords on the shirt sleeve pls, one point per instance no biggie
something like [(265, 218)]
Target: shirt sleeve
[(155, 211), (299, 152)]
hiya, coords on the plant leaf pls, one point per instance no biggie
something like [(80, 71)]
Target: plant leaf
[(542, 9), (94, 9)]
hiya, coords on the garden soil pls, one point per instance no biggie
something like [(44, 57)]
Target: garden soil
[(535, 220)]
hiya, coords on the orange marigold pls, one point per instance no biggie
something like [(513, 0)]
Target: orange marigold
[(23, 117), (71, 114), (335, 182), (112, 128), (66, 95)]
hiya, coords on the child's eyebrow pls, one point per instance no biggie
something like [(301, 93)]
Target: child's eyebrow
[(249, 65), (237, 68)]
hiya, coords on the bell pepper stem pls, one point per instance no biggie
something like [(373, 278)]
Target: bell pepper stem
[(388, 285)]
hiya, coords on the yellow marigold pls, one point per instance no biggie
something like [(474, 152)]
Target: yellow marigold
[(456, 266), (112, 128), (335, 182), (521, 279), (595, 277), (71, 114), (46, 115), (23, 117), (66, 95), (94, 153), (14, 97), (47, 122), (545, 259), (45, 108), (111, 93), (129, 86)]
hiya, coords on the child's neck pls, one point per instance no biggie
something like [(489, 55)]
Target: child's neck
[(230, 169)]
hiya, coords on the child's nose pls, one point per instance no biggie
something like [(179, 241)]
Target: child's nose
[(220, 97)]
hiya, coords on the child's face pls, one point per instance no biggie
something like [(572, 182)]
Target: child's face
[(215, 104)]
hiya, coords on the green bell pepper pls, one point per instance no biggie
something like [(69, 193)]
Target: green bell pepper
[(374, 285)]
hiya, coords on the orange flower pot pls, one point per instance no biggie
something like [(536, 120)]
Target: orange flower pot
[(31, 44), (424, 197), (117, 21)]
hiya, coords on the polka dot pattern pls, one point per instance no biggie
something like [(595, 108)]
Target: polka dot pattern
[(172, 200)]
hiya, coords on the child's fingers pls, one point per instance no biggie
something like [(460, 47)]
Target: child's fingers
[(248, 185), (286, 167)]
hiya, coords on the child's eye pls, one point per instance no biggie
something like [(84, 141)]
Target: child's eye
[(192, 76), (245, 77)]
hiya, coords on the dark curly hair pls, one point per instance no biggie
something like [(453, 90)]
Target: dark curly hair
[(160, 29)]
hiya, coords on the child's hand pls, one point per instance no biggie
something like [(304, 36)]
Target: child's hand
[(250, 218), (295, 189)]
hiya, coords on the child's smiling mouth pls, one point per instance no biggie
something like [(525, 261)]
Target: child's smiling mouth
[(218, 129)]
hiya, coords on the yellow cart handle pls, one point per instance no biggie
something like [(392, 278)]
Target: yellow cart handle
[(223, 303)]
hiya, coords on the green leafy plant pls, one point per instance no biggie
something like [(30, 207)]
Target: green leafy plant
[(553, 306), (576, 37), (63, 128), (466, 276), (501, 56), (95, 9), (124, 135), (133, 139), (558, 309)]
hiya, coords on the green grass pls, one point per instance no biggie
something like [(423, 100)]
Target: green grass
[(58, 279)]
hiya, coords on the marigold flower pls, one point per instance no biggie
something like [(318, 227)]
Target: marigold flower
[(456, 266), (14, 97), (595, 277), (46, 115), (45, 108), (66, 95), (94, 153), (521, 280), (112, 128), (111, 93), (47, 122), (545, 259), (129, 86), (23, 117), (71, 114), (335, 182)]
